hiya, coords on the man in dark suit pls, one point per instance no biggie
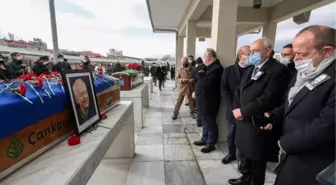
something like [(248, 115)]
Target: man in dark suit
[(262, 88), (287, 57), (230, 81), (62, 64), (308, 114), (39, 66), (208, 97)]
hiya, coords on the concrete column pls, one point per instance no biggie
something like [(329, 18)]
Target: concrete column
[(269, 31), (179, 54), (179, 51), (53, 29), (223, 40), (191, 38), (223, 31)]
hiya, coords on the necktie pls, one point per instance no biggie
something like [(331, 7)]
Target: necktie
[(255, 71)]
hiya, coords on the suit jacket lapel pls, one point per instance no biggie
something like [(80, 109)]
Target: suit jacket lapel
[(237, 71), (247, 77), (298, 97), (268, 63)]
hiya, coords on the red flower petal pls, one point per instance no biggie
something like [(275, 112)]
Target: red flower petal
[(74, 140), (39, 82), (100, 71), (22, 77), (22, 89), (103, 116)]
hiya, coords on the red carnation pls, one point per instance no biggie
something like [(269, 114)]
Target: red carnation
[(55, 73), (74, 140), (29, 76), (100, 72), (39, 82), (103, 116), (22, 89), (22, 77), (43, 75)]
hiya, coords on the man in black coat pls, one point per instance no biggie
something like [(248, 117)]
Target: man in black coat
[(160, 75), (152, 71), (287, 57), (230, 82), (15, 67), (308, 114), (62, 65), (39, 66), (208, 97), (86, 65), (192, 61), (261, 89), (4, 74)]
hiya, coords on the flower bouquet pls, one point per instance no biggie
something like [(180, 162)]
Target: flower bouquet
[(33, 82), (134, 66), (55, 76), (18, 88)]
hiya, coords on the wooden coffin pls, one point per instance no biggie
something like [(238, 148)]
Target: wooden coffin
[(26, 144), (109, 98), (129, 79)]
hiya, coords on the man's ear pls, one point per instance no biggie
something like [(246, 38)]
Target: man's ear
[(328, 51)]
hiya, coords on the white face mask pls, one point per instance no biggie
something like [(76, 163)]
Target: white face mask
[(285, 60), (61, 60), (190, 61), (18, 58), (305, 67)]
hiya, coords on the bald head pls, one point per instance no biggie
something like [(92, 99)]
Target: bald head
[(242, 54), (314, 42), (185, 62), (81, 93)]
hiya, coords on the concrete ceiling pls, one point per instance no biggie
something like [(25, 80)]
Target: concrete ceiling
[(172, 15), (166, 15), (265, 3)]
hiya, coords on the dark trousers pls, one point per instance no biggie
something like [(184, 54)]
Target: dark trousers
[(231, 134), (154, 79), (198, 121), (160, 84), (253, 169), (210, 129)]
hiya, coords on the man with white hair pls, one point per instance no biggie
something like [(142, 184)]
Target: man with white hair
[(82, 100), (261, 89), (208, 98)]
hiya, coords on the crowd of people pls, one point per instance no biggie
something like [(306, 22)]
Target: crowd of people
[(277, 111), (159, 73), (44, 65)]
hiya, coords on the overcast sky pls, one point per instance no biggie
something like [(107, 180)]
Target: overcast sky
[(123, 24)]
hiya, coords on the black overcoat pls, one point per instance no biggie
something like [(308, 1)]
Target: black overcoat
[(254, 98), (309, 133)]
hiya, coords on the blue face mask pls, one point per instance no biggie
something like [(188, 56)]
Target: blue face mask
[(255, 59)]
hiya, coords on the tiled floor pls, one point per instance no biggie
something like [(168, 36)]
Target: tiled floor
[(165, 154)]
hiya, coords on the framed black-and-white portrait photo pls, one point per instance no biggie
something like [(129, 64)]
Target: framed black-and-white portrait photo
[(80, 89)]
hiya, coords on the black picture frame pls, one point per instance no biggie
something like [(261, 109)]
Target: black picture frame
[(81, 83)]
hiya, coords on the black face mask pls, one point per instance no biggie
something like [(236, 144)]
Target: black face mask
[(186, 65)]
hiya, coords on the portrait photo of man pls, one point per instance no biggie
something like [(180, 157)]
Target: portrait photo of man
[(85, 109), (81, 91)]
